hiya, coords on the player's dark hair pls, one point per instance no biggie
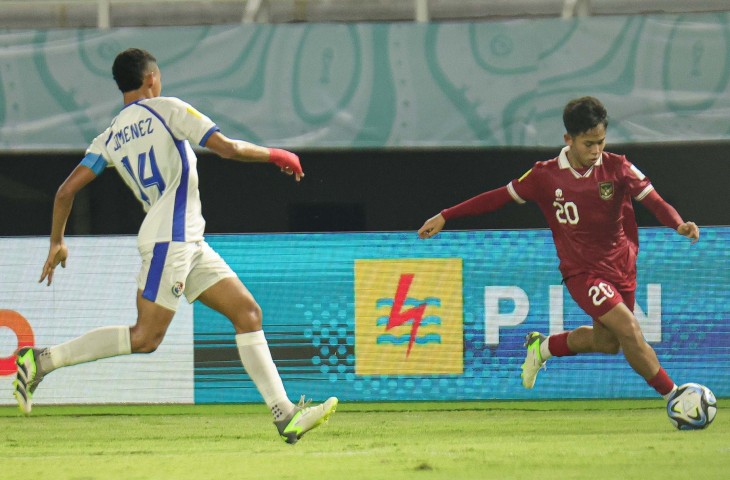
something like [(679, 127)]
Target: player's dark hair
[(583, 114), (130, 67)]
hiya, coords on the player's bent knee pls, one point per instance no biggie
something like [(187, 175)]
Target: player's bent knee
[(248, 319), (254, 317), (632, 342)]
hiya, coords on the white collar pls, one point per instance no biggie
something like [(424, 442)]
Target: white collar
[(564, 163)]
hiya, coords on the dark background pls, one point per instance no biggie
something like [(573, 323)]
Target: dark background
[(351, 190)]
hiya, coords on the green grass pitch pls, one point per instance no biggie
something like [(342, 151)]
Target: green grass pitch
[(614, 439)]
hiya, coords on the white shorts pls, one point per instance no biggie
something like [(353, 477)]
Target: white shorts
[(170, 269)]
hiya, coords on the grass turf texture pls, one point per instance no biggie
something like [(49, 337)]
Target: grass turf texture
[(628, 439)]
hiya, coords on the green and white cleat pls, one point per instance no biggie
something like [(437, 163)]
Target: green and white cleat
[(533, 359), (27, 378), (304, 418)]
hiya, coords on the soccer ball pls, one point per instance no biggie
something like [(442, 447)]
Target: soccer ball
[(692, 407)]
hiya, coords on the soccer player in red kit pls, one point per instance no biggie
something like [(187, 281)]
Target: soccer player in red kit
[(585, 195)]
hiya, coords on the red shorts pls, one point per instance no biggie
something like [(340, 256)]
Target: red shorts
[(597, 296)]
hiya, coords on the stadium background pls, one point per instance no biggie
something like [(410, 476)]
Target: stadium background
[(392, 125)]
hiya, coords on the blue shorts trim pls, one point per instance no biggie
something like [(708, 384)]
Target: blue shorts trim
[(157, 265)]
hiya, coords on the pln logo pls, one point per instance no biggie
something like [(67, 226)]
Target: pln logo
[(409, 317)]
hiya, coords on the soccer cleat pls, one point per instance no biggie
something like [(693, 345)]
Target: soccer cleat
[(533, 359), (304, 418), (27, 378)]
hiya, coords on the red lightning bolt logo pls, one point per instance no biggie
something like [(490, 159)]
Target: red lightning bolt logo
[(399, 317)]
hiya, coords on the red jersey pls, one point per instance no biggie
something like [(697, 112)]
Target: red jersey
[(590, 214)]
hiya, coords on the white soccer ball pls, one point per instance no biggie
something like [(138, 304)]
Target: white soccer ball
[(692, 407)]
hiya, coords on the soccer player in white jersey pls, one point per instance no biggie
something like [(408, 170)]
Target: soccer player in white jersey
[(585, 195), (148, 143)]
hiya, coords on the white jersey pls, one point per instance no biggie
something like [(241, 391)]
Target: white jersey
[(148, 144)]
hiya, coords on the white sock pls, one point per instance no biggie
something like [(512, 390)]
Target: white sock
[(256, 359), (99, 343), (669, 395), (545, 349)]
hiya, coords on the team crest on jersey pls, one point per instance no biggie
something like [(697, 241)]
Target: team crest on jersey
[(178, 288), (559, 194), (606, 190)]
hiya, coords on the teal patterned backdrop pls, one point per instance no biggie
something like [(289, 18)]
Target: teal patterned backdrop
[(663, 78), (307, 287)]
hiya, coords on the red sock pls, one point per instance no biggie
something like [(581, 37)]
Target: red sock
[(661, 382), (558, 345)]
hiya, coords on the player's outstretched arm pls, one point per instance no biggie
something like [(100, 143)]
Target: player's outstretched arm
[(432, 226), (689, 230), (242, 151), (58, 252), (482, 203), (668, 216)]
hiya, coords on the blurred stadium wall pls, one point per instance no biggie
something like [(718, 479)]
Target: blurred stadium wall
[(393, 121)]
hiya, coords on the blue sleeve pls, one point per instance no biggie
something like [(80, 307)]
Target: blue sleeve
[(207, 135), (95, 162)]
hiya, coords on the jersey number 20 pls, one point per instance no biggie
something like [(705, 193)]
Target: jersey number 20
[(600, 293), (566, 212)]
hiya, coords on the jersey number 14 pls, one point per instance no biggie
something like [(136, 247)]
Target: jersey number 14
[(153, 176)]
